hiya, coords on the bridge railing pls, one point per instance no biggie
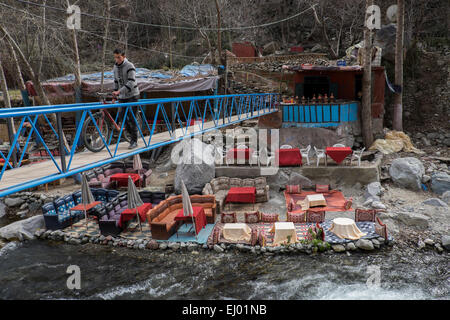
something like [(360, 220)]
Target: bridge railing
[(178, 123)]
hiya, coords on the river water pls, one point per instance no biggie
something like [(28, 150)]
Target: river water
[(37, 270)]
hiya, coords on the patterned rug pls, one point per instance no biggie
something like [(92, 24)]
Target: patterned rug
[(300, 228), (79, 229), (366, 227)]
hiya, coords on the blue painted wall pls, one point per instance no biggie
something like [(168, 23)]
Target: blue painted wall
[(319, 115)]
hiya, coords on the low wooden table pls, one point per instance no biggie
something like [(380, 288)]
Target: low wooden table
[(284, 231), (315, 200), (237, 232), (346, 228), (85, 208), (122, 179)]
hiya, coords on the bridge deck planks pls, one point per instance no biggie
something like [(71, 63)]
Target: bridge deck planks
[(40, 170)]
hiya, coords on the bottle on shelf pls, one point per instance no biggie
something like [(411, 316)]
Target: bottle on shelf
[(303, 100), (319, 98), (332, 97), (313, 99), (325, 98)]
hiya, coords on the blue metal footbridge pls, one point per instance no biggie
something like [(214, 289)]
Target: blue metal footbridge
[(209, 113)]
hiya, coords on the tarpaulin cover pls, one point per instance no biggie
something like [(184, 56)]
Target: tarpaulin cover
[(192, 70), (394, 141), (190, 79), (335, 201)]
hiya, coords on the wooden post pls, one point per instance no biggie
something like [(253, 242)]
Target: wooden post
[(398, 96), (366, 114)]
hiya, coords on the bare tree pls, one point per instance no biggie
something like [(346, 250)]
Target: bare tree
[(105, 40), (398, 96), (36, 81)]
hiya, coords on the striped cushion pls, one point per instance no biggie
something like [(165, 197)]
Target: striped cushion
[(296, 188), (269, 217), (296, 217)]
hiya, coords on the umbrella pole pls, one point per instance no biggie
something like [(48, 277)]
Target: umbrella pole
[(139, 219), (195, 229), (85, 217)]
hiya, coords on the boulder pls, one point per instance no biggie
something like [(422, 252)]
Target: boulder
[(338, 248), (195, 166), (445, 197), (446, 242), (440, 182), (2, 210), (14, 202), (22, 230), (278, 181), (373, 190), (364, 244), (407, 173), (435, 202), (413, 219), (296, 178)]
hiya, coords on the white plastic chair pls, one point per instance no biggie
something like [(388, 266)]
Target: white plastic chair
[(265, 157), (357, 155), (305, 153), (339, 145), (320, 153), (286, 146), (220, 157), (242, 146)]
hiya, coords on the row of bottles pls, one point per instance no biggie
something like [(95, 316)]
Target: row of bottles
[(319, 99)]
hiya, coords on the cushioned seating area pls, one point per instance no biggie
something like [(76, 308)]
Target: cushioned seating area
[(101, 177), (220, 187), (57, 214), (161, 217), (109, 214)]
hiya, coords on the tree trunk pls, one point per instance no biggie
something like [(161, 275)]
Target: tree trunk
[(16, 64), (398, 97), (76, 57), (35, 78), (7, 103), (219, 33), (105, 41), (366, 114)]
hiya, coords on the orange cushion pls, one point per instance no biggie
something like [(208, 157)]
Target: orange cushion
[(208, 212)]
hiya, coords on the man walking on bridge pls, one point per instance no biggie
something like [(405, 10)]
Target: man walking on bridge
[(126, 90)]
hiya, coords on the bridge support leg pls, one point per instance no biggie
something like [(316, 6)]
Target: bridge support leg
[(62, 152)]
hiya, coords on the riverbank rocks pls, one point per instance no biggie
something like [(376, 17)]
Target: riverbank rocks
[(278, 181), (412, 218), (446, 242), (440, 182), (218, 248), (22, 230), (338, 248), (196, 165), (364, 244), (435, 202), (14, 202), (445, 197), (350, 246), (152, 245), (407, 172), (297, 179)]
